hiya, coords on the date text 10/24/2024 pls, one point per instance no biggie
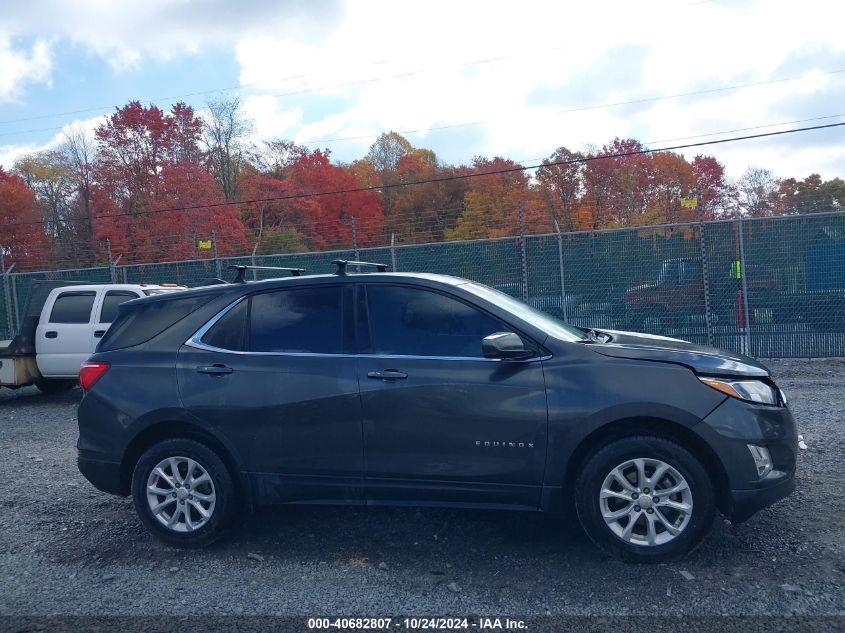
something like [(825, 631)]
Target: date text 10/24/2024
[(417, 623)]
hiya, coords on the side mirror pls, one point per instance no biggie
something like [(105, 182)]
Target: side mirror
[(503, 345)]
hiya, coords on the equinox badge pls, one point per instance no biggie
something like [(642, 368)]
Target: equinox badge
[(498, 444)]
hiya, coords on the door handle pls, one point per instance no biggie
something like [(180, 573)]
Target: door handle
[(215, 370), (387, 374), (99, 333), (51, 334)]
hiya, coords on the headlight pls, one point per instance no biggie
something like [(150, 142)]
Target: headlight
[(750, 390)]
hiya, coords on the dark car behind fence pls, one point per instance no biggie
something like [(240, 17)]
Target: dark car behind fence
[(771, 287)]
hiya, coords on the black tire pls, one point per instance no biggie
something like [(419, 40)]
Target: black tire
[(55, 385), (223, 488), (598, 466)]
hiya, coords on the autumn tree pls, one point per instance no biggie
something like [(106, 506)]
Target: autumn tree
[(225, 133), (329, 223), (756, 192), (561, 180), (491, 202), (810, 195), (150, 164), (80, 150), (711, 183), (421, 212), (50, 176), (671, 178), (22, 241), (384, 155)]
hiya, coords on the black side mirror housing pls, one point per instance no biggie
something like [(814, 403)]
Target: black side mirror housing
[(504, 345)]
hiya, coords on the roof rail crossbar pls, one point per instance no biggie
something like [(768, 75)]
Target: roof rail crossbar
[(240, 277), (343, 263)]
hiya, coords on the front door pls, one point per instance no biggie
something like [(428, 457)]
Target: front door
[(443, 424), (272, 376)]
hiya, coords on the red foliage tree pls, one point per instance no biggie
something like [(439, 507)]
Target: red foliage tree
[(22, 241), (149, 169), (328, 222)]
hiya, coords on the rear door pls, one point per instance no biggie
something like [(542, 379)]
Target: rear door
[(273, 375), (63, 342), (107, 312)]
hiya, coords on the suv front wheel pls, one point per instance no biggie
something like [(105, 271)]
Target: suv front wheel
[(183, 493), (645, 499)]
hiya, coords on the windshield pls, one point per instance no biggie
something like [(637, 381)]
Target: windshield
[(549, 324)]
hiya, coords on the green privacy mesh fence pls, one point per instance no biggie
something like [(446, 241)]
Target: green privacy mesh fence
[(770, 287)]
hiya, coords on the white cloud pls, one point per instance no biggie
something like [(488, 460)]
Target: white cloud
[(321, 69), (574, 52), (124, 33), (19, 67), (10, 153)]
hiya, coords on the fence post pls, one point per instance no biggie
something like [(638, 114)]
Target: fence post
[(218, 265), (252, 262), (393, 252), (355, 239), (522, 252), (112, 271), (705, 277), (562, 278), (7, 293), (744, 281), (15, 306)]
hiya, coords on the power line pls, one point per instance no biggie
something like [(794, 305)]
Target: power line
[(570, 110), (600, 106), (453, 177)]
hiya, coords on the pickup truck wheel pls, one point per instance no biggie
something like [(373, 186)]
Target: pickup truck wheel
[(645, 499), (183, 493), (55, 385)]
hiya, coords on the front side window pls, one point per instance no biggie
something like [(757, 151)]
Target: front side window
[(416, 322), (73, 307), (298, 320)]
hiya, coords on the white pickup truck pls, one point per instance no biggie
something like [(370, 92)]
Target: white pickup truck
[(60, 329)]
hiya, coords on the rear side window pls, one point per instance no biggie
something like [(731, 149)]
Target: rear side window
[(73, 307), (302, 320), (415, 322), (111, 301), (147, 319), (230, 332)]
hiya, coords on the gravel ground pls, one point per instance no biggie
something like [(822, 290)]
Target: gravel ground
[(66, 548)]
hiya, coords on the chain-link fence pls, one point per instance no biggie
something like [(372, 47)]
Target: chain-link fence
[(770, 287)]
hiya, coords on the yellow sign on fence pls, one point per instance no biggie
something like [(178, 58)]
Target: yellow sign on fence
[(689, 203), (205, 245)]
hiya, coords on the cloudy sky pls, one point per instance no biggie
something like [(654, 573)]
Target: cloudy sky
[(463, 78)]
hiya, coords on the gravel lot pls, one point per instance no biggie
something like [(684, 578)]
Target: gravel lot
[(66, 548)]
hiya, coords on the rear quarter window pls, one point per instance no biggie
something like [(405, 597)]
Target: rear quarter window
[(136, 324)]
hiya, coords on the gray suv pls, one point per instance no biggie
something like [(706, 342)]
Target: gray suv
[(395, 389)]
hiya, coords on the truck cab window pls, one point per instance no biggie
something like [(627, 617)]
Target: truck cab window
[(73, 307)]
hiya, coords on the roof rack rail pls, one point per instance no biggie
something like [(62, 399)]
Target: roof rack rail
[(240, 277), (343, 263)]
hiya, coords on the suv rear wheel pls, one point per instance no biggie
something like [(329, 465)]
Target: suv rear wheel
[(645, 499), (183, 493)]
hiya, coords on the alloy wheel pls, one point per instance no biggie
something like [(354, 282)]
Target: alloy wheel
[(181, 494), (646, 502)]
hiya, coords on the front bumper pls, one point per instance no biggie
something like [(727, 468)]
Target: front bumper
[(744, 504), (729, 429)]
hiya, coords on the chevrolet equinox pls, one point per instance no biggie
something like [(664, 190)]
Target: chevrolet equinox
[(399, 389)]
